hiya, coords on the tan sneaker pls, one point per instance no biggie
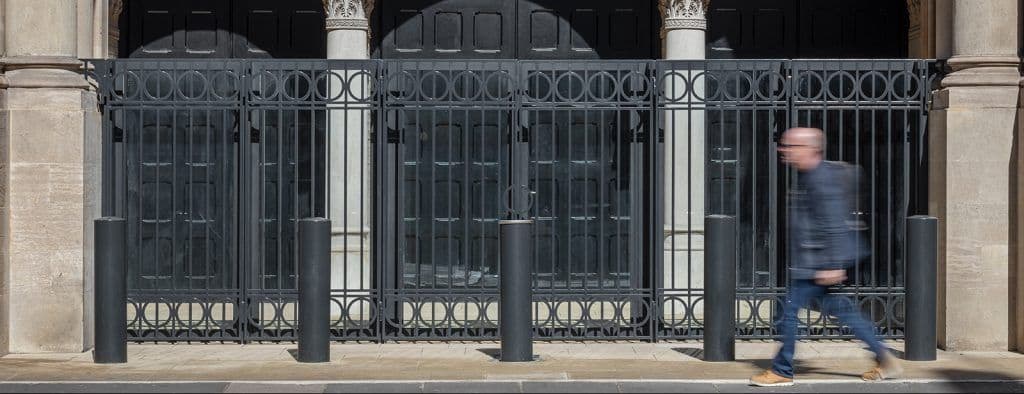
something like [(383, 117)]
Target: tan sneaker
[(770, 379), (888, 368)]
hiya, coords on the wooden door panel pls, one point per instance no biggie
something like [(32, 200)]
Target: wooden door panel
[(453, 29), (225, 29), (785, 29), (595, 29), (179, 29)]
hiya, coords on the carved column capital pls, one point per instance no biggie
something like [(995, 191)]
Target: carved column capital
[(684, 14), (348, 14)]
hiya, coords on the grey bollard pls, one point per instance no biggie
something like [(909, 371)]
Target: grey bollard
[(110, 297), (314, 323), (921, 282), (720, 288), (516, 298)]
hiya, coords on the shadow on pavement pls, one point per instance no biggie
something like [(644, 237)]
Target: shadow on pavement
[(696, 353), (966, 381), (494, 353), (803, 368)]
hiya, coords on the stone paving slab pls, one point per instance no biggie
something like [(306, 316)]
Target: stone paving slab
[(822, 366), (534, 386)]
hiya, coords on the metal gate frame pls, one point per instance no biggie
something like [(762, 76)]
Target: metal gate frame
[(761, 97)]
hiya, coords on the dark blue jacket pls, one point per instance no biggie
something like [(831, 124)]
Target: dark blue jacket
[(820, 237)]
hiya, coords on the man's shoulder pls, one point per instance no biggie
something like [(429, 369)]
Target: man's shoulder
[(832, 165), (831, 176), (830, 170)]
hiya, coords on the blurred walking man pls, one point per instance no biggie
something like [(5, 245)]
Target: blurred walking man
[(822, 247)]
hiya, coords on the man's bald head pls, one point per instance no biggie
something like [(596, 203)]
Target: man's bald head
[(802, 147), (805, 136)]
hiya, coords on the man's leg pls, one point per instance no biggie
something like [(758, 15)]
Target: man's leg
[(799, 295), (842, 307)]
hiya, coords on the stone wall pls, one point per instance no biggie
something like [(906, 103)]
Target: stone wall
[(49, 128), (973, 176)]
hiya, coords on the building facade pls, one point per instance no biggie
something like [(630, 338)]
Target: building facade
[(67, 124)]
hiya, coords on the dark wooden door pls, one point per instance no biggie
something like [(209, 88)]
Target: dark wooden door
[(452, 29), (784, 29), (523, 29), (223, 29), (593, 29), (177, 29)]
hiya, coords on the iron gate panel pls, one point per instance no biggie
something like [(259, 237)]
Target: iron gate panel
[(717, 122), (212, 161), (170, 168), (451, 121), (583, 125), (308, 121), (874, 115)]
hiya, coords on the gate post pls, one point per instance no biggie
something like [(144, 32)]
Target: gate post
[(921, 282), (110, 296), (314, 323), (516, 321), (720, 289)]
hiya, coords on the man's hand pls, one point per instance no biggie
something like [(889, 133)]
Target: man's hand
[(829, 277)]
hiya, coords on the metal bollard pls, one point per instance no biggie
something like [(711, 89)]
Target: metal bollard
[(516, 321), (720, 288), (110, 297), (921, 282), (314, 323)]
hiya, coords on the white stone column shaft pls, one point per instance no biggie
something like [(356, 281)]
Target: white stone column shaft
[(685, 28), (349, 154)]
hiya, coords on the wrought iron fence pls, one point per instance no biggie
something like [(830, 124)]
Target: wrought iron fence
[(414, 161)]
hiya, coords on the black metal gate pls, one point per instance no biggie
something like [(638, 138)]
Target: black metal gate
[(212, 161)]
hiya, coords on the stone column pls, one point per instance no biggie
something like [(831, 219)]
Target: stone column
[(971, 145), (47, 115), (1017, 240), (684, 39), (349, 155)]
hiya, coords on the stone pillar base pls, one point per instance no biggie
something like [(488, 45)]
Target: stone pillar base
[(971, 144), (47, 122)]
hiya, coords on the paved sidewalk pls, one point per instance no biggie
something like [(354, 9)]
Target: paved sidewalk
[(434, 367)]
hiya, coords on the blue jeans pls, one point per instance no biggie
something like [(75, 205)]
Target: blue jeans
[(801, 292)]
